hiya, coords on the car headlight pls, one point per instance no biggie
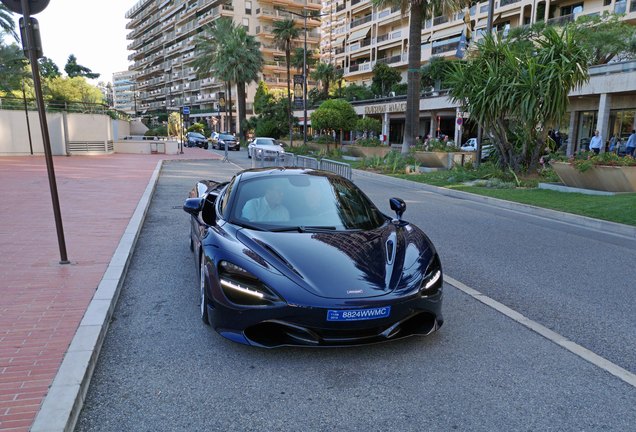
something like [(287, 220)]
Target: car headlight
[(433, 279), (243, 288)]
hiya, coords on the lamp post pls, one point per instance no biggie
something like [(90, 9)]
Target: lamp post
[(304, 16)]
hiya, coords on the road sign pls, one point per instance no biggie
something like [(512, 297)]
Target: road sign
[(460, 121), (186, 110), (35, 6)]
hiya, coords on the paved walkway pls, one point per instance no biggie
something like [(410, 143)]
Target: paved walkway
[(41, 301)]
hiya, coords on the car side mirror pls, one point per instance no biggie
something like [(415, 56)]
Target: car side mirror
[(398, 206), (193, 206)]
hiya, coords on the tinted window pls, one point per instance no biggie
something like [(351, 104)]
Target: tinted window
[(265, 141), (196, 135), (226, 137), (303, 201)]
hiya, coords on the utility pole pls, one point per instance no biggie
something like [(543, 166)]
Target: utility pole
[(32, 47)]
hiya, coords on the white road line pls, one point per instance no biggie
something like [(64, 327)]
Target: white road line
[(558, 339)]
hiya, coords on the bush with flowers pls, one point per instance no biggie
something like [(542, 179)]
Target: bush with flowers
[(586, 160)]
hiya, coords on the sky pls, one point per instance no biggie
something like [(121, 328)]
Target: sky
[(93, 30)]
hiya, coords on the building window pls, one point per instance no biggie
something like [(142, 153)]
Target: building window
[(572, 9), (248, 8), (246, 24)]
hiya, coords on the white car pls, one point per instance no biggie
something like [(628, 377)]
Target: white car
[(471, 145), (264, 148)]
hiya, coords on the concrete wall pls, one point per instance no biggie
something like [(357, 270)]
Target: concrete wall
[(147, 147), (64, 129)]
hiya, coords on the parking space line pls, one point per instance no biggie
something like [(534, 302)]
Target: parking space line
[(558, 339)]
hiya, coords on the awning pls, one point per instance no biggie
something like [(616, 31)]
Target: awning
[(453, 31), (359, 34), (481, 23), (339, 41)]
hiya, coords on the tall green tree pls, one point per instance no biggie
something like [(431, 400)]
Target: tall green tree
[(73, 69), (513, 89), (48, 68), (418, 11), (334, 114), (297, 59), (228, 53), (7, 25), (13, 69), (285, 32), (325, 73), (384, 77)]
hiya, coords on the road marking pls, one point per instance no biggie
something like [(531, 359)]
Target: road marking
[(558, 339)]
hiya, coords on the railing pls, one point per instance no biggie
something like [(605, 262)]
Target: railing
[(74, 147), (561, 20), (291, 160), (360, 21)]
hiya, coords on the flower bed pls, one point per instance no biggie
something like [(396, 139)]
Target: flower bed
[(617, 178)]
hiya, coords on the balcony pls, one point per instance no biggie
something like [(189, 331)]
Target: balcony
[(360, 21), (392, 59), (561, 20), (507, 2)]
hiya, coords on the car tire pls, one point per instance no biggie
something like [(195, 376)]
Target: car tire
[(205, 146), (191, 242), (203, 296)]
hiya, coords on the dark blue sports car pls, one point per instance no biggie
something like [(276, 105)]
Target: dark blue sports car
[(291, 256)]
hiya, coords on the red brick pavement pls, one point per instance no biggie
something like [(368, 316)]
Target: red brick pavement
[(41, 301)]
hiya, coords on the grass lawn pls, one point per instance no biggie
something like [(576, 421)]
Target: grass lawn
[(619, 208)]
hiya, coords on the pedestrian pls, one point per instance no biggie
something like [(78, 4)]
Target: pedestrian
[(631, 144), (596, 142), (557, 140), (612, 143)]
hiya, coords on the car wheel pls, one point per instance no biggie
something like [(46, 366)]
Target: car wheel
[(203, 295), (205, 146)]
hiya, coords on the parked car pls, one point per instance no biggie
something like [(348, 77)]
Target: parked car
[(486, 149), (264, 148), (224, 140), (293, 256), (196, 139)]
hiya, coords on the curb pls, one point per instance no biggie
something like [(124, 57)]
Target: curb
[(568, 218), (62, 405)]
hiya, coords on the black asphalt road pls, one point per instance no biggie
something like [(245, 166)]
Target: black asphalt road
[(161, 369)]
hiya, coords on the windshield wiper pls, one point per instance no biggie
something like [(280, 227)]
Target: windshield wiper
[(303, 228), (250, 226)]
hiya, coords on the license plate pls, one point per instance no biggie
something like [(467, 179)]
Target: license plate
[(358, 314)]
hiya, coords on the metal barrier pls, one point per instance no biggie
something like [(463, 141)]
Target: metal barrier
[(307, 162), (290, 160), (341, 168)]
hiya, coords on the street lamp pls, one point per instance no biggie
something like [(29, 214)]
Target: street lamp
[(304, 16)]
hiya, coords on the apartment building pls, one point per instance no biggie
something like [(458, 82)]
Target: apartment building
[(357, 36), (125, 92), (163, 37)]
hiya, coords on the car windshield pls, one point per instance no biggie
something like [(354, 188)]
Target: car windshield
[(265, 141), (226, 137), (196, 135), (303, 203)]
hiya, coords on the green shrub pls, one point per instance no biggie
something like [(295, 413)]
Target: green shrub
[(368, 142)]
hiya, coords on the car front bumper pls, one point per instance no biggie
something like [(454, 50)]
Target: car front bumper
[(294, 325)]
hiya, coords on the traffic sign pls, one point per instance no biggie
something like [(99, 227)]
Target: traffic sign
[(35, 6), (460, 121), (186, 110)]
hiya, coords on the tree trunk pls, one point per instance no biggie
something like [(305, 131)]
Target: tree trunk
[(240, 95), (411, 124)]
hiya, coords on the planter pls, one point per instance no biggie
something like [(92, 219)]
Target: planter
[(598, 177), (359, 151), (444, 160)]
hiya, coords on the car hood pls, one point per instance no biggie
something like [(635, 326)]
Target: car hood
[(341, 264)]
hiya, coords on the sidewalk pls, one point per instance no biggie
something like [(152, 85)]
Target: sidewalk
[(42, 302)]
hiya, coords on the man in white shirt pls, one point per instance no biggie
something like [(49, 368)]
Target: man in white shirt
[(268, 208), (596, 142)]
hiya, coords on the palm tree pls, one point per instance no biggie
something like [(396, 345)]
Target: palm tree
[(419, 11), (7, 25), (326, 74), (228, 53), (284, 32)]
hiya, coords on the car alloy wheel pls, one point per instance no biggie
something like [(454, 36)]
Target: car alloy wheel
[(203, 295)]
